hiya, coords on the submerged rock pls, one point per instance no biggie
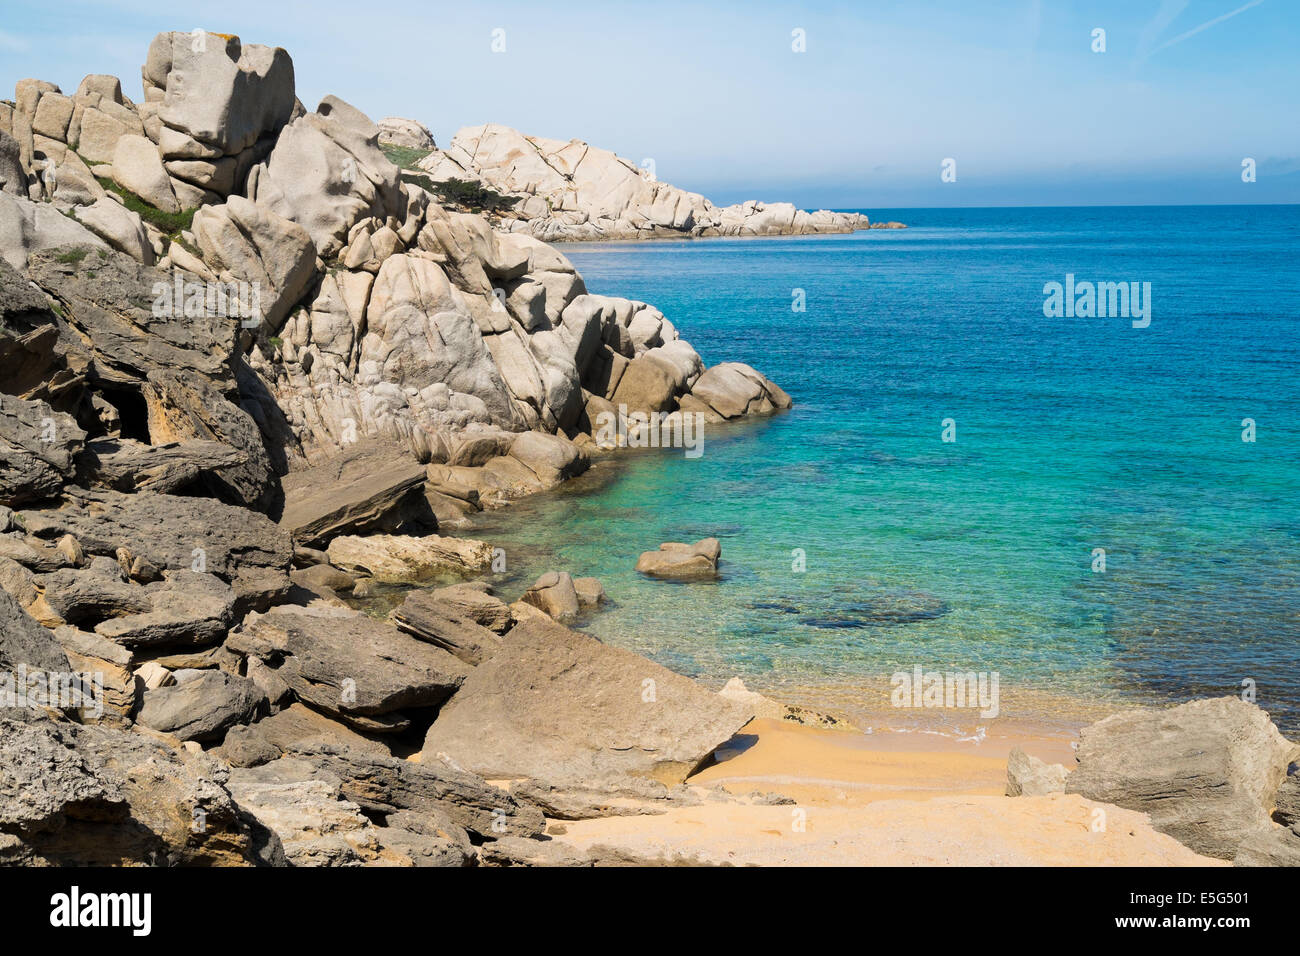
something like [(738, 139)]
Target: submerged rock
[(890, 607)]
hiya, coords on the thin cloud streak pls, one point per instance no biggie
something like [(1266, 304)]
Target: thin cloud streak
[(1205, 26)]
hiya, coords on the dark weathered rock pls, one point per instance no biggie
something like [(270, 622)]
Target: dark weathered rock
[(182, 408), (348, 665), (474, 600), (115, 665), (23, 642), (95, 796), (319, 825), (125, 465), (186, 608), (91, 595), (295, 726), (369, 489), (386, 784), (559, 706), (110, 299), (424, 616), (202, 709), (1276, 846), (1206, 771), (41, 358), (38, 448), (243, 548), (32, 553)]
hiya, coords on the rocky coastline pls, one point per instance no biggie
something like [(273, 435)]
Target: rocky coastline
[(250, 372)]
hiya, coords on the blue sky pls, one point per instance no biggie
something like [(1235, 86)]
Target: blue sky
[(714, 93)]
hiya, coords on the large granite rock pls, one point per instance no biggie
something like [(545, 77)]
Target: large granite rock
[(733, 389), (326, 173), (138, 168), (29, 227), (215, 107), (348, 665), (243, 242), (119, 227), (1206, 771), (406, 133), (558, 706)]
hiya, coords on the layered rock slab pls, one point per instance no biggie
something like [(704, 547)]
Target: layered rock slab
[(558, 706), (1207, 771)]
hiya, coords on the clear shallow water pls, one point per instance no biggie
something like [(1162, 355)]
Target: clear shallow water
[(1072, 434)]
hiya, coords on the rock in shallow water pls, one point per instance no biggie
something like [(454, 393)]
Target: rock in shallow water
[(682, 562)]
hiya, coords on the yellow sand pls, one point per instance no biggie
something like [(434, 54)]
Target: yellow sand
[(896, 799)]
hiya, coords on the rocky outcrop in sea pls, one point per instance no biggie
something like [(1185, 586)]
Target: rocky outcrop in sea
[(572, 191)]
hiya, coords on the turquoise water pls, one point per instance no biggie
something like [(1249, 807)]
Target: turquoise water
[(1071, 434)]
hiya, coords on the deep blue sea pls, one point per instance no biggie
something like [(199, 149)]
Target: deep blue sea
[(1072, 434)]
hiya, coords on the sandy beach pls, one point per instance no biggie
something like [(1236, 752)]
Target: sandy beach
[(906, 799)]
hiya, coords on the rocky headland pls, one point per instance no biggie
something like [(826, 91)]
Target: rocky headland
[(251, 372), (572, 191)]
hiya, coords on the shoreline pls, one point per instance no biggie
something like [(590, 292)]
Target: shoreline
[(848, 799)]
